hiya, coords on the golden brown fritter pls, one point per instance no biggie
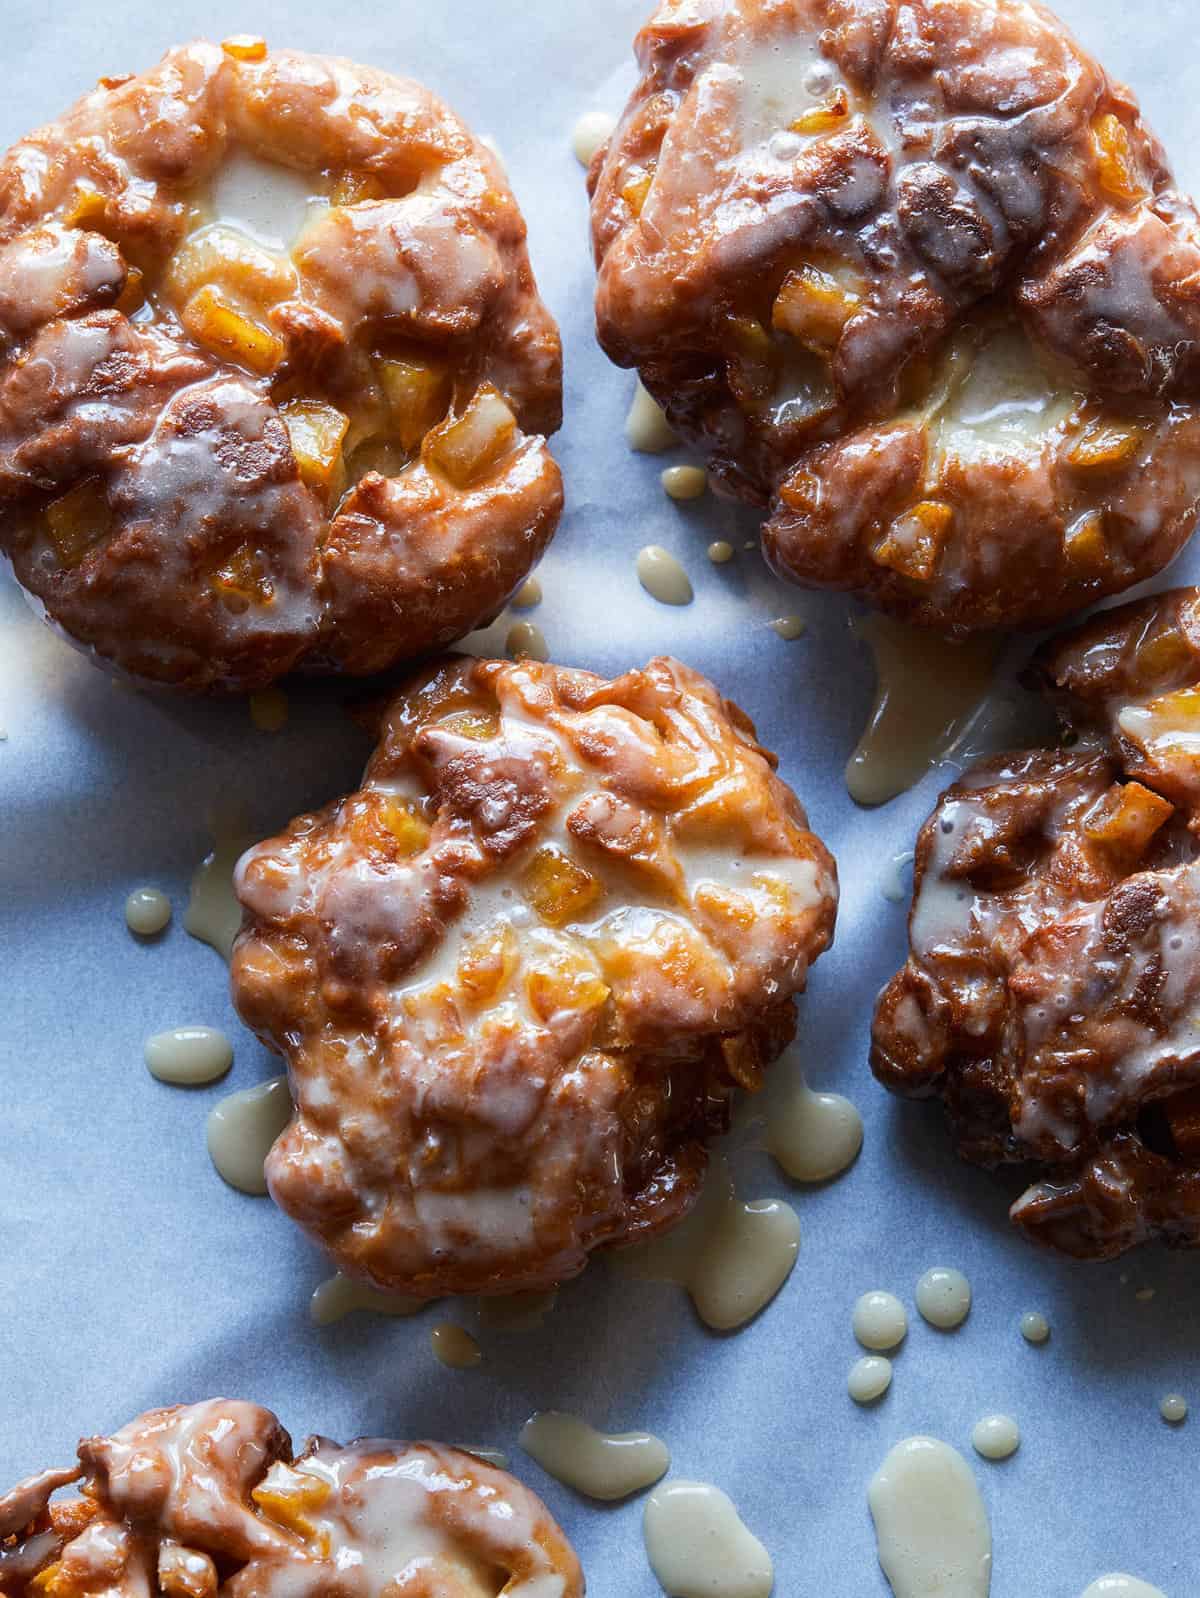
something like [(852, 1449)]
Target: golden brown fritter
[(1052, 995), (201, 1500), (273, 371), (916, 277), (517, 976)]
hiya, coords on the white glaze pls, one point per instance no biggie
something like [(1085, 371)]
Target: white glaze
[(1035, 1328), (1118, 1586), (525, 641), (720, 551), (813, 1136), (663, 578), (892, 887), (789, 628), (927, 690), (685, 482), (879, 1320), (996, 1437), (944, 1297), (338, 1296), (731, 1256), (646, 427), (698, 1546), (454, 1346), (1174, 1409), (528, 595), (603, 1465), (931, 1527), (213, 914), (869, 1378), (147, 912), (589, 133), (241, 1130), (188, 1055), (269, 203)]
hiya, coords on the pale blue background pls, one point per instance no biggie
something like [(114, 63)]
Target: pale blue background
[(129, 1275)]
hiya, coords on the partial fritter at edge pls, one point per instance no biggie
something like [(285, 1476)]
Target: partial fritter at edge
[(203, 1499), (518, 976), (1052, 994), (225, 455), (915, 277)]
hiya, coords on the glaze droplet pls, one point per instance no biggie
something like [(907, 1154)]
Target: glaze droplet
[(241, 1130), (869, 1378), (525, 641), (1035, 1328), (663, 578), (931, 1527), (338, 1296), (188, 1056), (996, 1437), (944, 1297), (879, 1321), (698, 1546), (454, 1346), (603, 1465), (147, 912), (685, 482), (646, 427), (589, 133)]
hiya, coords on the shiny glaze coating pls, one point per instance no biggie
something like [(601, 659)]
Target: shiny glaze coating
[(201, 1500), (222, 457), (915, 277), (1052, 994), (517, 976)]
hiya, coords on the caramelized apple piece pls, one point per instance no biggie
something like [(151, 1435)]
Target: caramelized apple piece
[(78, 521), (1162, 654), (487, 962), (1127, 818), (216, 325), (1105, 445), (637, 187), (241, 580), (406, 822), (1115, 160), (245, 47), (418, 395), (286, 1496), (185, 1572), (813, 307), (1085, 543), (564, 984), (827, 118), (223, 258), (914, 543), (466, 449), (317, 433), (558, 889), (351, 188)]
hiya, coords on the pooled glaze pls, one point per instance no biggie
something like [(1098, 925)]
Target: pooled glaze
[(454, 1347), (241, 1130), (603, 1465), (1119, 1586), (528, 595), (1035, 1328), (731, 1256), (213, 914), (188, 1055), (698, 1546), (869, 1378), (591, 131), (944, 1297), (663, 578), (879, 1320), (926, 692), (931, 1527), (996, 1437), (813, 1136), (526, 641), (147, 912), (646, 427), (684, 482), (338, 1296), (1174, 1409)]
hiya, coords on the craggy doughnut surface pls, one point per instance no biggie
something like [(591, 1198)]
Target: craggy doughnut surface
[(226, 454), (517, 975), (1052, 996), (205, 1499), (913, 274)]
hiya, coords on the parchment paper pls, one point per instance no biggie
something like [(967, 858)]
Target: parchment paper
[(132, 1276)]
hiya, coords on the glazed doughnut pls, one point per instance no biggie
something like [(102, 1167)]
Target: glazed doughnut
[(274, 373), (517, 976), (1053, 989), (915, 278), (201, 1500)]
